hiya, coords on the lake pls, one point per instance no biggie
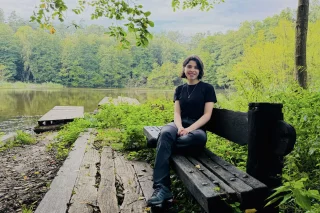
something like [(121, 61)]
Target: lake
[(21, 108)]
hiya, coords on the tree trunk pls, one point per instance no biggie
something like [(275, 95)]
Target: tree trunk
[(301, 43)]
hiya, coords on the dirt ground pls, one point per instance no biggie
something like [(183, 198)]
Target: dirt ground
[(25, 174)]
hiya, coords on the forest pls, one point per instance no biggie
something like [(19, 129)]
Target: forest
[(88, 57)]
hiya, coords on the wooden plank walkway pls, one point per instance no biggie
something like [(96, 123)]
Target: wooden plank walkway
[(85, 194), (107, 194), (61, 113), (90, 181), (57, 198)]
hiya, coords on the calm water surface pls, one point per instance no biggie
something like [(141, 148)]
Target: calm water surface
[(21, 108)]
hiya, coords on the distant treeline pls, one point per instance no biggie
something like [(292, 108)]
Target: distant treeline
[(87, 57)]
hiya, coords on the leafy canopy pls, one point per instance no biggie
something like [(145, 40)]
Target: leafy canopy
[(136, 19)]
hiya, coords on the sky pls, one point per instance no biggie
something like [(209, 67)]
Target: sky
[(225, 16)]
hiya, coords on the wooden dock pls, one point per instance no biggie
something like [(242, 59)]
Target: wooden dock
[(91, 181), (61, 114)]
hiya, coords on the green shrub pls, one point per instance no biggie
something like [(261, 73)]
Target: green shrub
[(301, 110), (68, 135), (24, 138)]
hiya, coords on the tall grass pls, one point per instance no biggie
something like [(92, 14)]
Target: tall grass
[(22, 85)]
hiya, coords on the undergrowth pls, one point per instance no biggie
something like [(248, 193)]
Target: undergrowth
[(22, 138)]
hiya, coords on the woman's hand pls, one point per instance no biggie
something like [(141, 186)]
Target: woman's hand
[(184, 131), (180, 129)]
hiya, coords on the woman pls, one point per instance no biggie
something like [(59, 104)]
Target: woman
[(193, 103)]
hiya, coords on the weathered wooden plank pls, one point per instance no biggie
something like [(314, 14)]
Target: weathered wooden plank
[(126, 175), (144, 173), (40, 129), (57, 198), (244, 192), (230, 125), (84, 199), (200, 186), (225, 188), (107, 200), (63, 113), (230, 178), (251, 181), (260, 189), (151, 131)]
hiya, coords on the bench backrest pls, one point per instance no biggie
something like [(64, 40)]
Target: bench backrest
[(269, 138), (230, 125)]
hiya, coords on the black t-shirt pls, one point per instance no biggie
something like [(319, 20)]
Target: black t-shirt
[(192, 99)]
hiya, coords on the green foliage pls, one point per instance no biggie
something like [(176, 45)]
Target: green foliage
[(143, 154), (24, 138), (130, 120), (20, 85), (107, 137), (301, 111), (165, 76), (236, 207), (124, 122), (204, 5), (300, 108), (68, 135), (86, 57), (138, 21), (9, 53), (111, 61), (185, 202), (231, 152), (295, 191), (26, 209)]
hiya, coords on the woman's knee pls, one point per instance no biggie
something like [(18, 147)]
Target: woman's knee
[(169, 129), (193, 139), (168, 132), (200, 136)]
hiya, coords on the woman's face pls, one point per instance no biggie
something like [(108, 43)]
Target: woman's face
[(191, 70)]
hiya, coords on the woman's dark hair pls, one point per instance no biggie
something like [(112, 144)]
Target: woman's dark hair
[(199, 65)]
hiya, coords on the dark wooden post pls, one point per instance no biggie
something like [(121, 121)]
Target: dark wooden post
[(263, 163), (301, 43)]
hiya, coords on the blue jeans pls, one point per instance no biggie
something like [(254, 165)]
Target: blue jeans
[(170, 142)]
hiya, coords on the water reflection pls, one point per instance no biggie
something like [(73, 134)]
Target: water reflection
[(20, 107)]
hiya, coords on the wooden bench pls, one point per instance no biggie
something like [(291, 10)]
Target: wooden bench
[(214, 182)]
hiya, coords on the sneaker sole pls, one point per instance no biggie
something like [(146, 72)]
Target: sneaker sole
[(169, 200)]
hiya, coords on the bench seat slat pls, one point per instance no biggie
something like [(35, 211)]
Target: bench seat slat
[(151, 131), (199, 185), (213, 178), (221, 174), (237, 184), (251, 181), (260, 190)]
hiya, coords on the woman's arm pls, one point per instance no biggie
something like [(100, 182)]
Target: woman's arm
[(177, 116), (202, 120)]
